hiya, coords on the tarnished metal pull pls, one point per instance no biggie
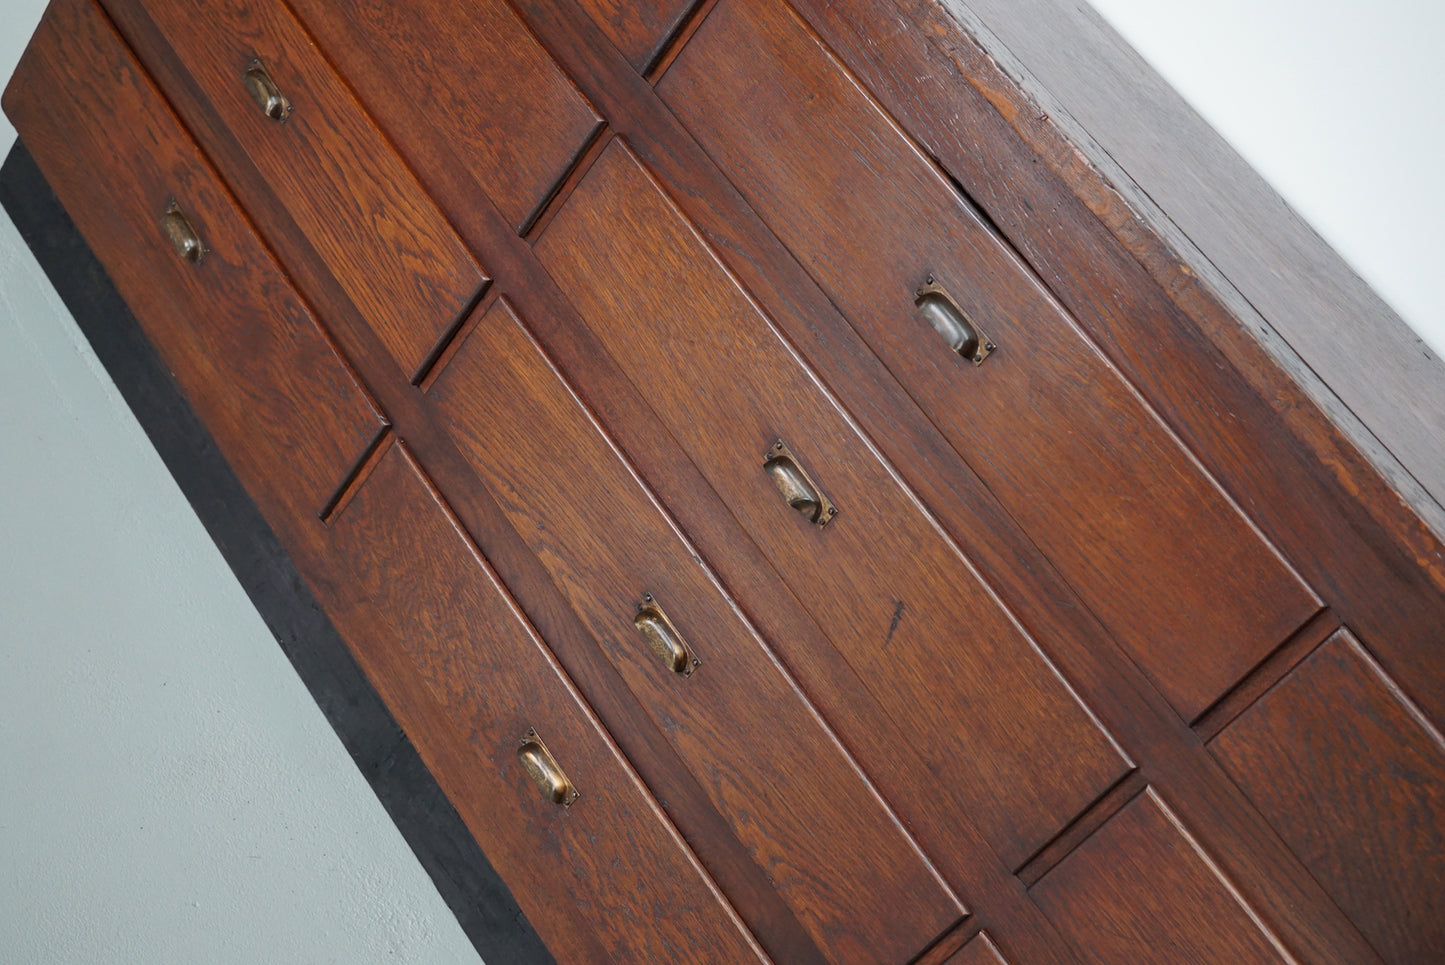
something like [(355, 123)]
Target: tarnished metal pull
[(266, 93), (542, 768), (663, 639), (796, 485), (186, 239), (950, 321)]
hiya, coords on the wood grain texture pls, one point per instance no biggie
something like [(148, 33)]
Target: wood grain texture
[(345, 188), (900, 604), (771, 767), (1194, 346), (980, 951), (476, 76), (638, 27), (1354, 780), (606, 880), (1176, 573), (264, 376), (1342, 330), (1140, 892)]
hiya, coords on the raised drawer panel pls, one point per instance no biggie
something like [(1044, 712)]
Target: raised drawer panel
[(352, 197), (605, 878), (1140, 891), (489, 90), (771, 769), (957, 676), (286, 410), (638, 28), (1166, 561), (1353, 779), (980, 951)]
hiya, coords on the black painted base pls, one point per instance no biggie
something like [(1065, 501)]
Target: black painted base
[(466, 880)]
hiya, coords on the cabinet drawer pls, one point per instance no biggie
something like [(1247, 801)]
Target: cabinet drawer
[(350, 195), (477, 80), (957, 677), (771, 769), (286, 410), (600, 873), (1181, 579)]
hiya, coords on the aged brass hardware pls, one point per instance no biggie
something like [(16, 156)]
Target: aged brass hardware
[(265, 92), (952, 322), (186, 239), (663, 639), (542, 767), (796, 485)]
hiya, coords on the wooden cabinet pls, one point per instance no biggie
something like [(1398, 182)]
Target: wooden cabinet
[(776, 546)]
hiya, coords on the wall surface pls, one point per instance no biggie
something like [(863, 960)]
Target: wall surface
[(168, 790), (1338, 105)]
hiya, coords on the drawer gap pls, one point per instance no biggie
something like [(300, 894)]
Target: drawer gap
[(1094, 817), (1271, 670)]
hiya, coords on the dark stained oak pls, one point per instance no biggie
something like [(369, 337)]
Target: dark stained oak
[(822, 835), (467, 677), (1141, 892), (980, 951), (951, 668), (241, 342), (346, 189), (1354, 779), (476, 77), (638, 27), (1175, 572)]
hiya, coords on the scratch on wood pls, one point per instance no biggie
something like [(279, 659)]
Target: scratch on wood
[(897, 619)]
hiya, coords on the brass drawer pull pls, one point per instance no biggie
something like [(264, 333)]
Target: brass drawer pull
[(265, 92), (663, 639), (797, 486), (542, 768), (950, 321), (186, 239)]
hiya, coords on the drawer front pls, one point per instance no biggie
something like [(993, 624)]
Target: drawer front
[(288, 413), (1181, 579), (1353, 778), (490, 91), (770, 767), (352, 197), (603, 877), (958, 677), (1140, 891)]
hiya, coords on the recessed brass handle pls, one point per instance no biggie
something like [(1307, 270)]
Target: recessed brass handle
[(266, 93), (542, 767), (952, 322), (663, 639), (186, 240), (796, 485)]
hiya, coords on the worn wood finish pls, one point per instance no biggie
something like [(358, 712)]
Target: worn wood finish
[(476, 77), (1196, 348), (987, 712), (465, 674), (1365, 356), (240, 340), (769, 765), (728, 313), (1142, 891), (639, 28), (1354, 778), (347, 191), (1088, 471)]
